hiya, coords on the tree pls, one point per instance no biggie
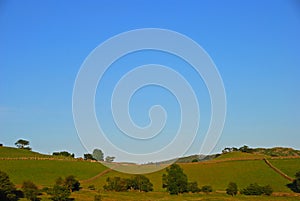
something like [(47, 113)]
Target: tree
[(206, 189), (22, 144), (175, 181), (255, 189), (7, 188), (116, 184), (98, 155), (60, 193), (245, 149), (232, 189), (110, 159), (30, 190), (88, 157), (267, 190), (63, 153), (141, 183), (71, 183), (193, 187), (295, 185)]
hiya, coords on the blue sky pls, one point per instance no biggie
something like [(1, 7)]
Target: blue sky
[(254, 44)]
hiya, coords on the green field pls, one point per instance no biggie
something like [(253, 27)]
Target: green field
[(288, 166), (232, 167), (45, 172)]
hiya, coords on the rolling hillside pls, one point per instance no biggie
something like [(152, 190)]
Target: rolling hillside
[(242, 168)]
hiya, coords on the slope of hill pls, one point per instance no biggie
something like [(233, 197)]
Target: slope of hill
[(10, 152), (277, 152), (22, 165)]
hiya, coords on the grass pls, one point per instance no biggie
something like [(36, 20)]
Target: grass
[(288, 166), (240, 155), (218, 175), (9, 152), (45, 172), (86, 195)]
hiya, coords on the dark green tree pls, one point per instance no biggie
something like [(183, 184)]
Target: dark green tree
[(22, 144), (60, 193), (30, 190), (232, 189), (295, 185), (63, 153), (255, 189), (98, 155), (193, 187), (71, 183), (141, 183), (7, 188), (175, 181), (88, 157), (116, 184)]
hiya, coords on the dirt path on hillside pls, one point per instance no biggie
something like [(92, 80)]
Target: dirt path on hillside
[(277, 170), (99, 175)]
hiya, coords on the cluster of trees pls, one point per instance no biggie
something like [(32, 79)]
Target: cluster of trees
[(252, 189), (60, 191), (244, 149), (63, 153), (138, 182), (176, 181), (98, 156)]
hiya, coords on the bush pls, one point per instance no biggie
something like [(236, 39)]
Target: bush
[(60, 193), (91, 187), (295, 185), (232, 189), (71, 183), (7, 188), (116, 184), (193, 187), (30, 190), (255, 189), (97, 198), (206, 189), (267, 190), (141, 183)]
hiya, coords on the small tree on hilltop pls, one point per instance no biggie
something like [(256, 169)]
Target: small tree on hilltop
[(98, 155), (88, 157), (175, 181), (22, 144), (30, 190), (110, 159), (232, 189)]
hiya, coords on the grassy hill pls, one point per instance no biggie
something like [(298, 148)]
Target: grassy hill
[(239, 167), (9, 152), (25, 165)]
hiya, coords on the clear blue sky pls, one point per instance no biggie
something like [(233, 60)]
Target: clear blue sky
[(254, 44)]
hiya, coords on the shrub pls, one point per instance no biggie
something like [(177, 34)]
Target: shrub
[(232, 189), (60, 193), (255, 189), (193, 187), (7, 188), (97, 198), (91, 187), (206, 189), (71, 183), (30, 190)]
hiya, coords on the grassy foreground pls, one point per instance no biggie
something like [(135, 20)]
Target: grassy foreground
[(86, 195)]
